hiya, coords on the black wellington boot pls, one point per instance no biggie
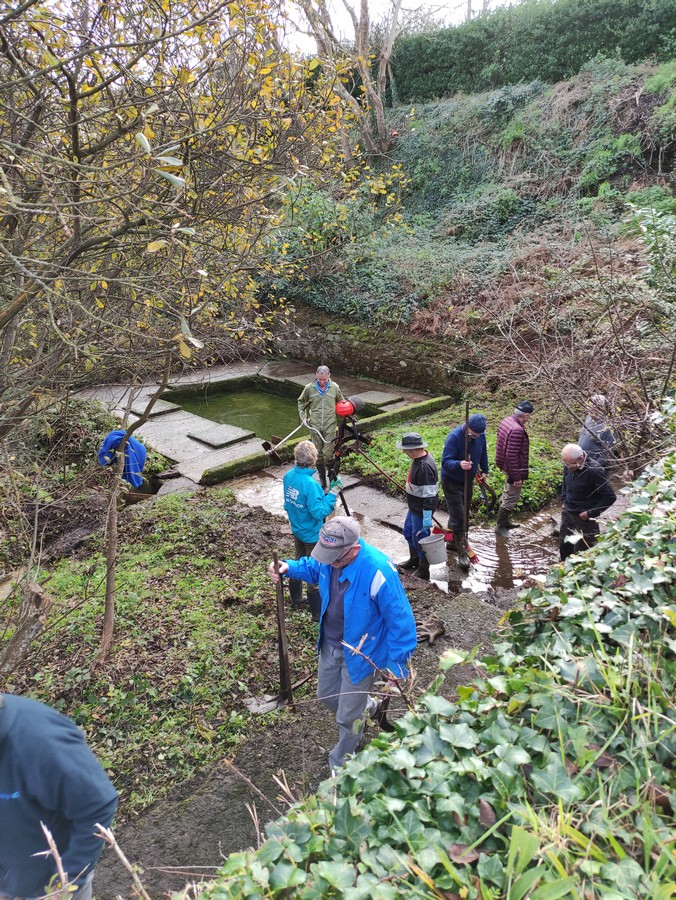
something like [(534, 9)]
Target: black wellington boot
[(423, 570), (315, 603), (410, 564), (502, 524), (321, 471), (296, 592)]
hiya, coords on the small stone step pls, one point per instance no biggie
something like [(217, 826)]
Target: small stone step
[(400, 404), (160, 408), (379, 398), (301, 379), (221, 435)]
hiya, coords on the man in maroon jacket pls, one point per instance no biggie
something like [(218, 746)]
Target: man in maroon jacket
[(511, 455)]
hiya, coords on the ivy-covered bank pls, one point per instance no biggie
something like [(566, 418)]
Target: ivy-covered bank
[(550, 776)]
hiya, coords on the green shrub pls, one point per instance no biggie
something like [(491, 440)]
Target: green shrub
[(540, 39), (658, 198), (663, 79)]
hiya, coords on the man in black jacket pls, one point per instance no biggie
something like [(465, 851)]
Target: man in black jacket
[(422, 489), (586, 494)]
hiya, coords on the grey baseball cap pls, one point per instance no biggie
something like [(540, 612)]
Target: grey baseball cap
[(335, 537)]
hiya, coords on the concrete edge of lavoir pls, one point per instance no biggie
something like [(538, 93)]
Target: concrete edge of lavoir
[(257, 461)]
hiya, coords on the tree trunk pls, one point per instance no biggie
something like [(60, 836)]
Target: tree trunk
[(33, 608), (112, 519)]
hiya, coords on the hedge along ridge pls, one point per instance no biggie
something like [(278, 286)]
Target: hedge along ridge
[(538, 40), (550, 775)]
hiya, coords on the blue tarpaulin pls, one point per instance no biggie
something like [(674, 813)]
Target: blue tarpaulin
[(134, 456)]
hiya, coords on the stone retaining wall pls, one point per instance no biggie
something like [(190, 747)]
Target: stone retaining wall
[(385, 354)]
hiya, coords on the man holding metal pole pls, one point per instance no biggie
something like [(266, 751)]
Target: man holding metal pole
[(464, 453), (317, 410), (364, 606)]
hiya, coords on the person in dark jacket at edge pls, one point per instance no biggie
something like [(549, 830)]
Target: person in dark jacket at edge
[(596, 438), (48, 774), (422, 490), (453, 468), (307, 506), (511, 455), (586, 494)]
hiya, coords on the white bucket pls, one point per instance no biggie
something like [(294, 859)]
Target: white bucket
[(435, 548)]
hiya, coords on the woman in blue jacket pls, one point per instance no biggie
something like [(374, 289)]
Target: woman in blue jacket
[(307, 506)]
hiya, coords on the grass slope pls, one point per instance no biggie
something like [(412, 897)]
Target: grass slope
[(501, 185)]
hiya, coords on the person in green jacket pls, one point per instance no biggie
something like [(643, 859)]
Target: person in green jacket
[(317, 408)]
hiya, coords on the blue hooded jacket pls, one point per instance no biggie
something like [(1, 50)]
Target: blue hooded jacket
[(48, 774), (376, 609), (306, 504), (134, 456)]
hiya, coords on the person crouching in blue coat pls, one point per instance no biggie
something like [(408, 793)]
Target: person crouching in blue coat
[(363, 605), (307, 506)]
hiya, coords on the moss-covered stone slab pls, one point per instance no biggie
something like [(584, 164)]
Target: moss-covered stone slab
[(161, 408), (379, 398), (221, 435), (224, 460), (302, 380)]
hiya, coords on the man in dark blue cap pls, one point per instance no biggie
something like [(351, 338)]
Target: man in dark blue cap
[(422, 490), (511, 455), (454, 469)]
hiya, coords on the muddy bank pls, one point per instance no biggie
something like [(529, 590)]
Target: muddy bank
[(205, 818)]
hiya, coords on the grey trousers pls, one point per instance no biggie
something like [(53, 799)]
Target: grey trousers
[(86, 892), (350, 702), (510, 496)]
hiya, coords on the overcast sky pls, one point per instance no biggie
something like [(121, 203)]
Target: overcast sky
[(450, 12)]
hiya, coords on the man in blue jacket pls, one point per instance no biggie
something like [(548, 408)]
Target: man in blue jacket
[(48, 774), (454, 469), (363, 605), (307, 506)]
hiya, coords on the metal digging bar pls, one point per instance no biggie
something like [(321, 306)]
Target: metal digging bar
[(272, 451), (394, 481), (285, 688)]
